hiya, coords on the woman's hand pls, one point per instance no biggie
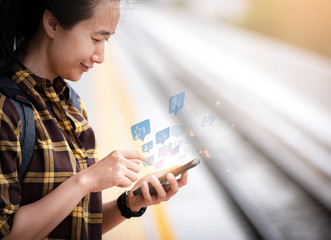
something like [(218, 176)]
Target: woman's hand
[(163, 193), (120, 168)]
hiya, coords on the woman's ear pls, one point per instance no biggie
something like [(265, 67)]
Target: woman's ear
[(50, 24)]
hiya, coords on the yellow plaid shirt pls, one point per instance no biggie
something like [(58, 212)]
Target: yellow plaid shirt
[(65, 144)]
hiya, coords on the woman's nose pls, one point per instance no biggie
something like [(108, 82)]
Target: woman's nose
[(98, 55)]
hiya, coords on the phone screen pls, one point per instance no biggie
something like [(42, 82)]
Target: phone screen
[(175, 171)]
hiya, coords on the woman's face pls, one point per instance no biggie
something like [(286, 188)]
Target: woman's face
[(74, 51)]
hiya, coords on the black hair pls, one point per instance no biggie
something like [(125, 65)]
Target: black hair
[(20, 19)]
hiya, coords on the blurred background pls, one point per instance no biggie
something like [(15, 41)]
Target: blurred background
[(257, 80)]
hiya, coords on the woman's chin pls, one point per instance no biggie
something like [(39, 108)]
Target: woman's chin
[(74, 77)]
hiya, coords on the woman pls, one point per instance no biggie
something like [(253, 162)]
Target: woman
[(43, 42)]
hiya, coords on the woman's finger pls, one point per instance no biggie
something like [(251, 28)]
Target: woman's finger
[(132, 165), (173, 183), (124, 182), (161, 194), (180, 183), (131, 154), (146, 194), (133, 176), (183, 179)]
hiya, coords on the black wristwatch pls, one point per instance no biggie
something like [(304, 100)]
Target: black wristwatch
[(125, 211)]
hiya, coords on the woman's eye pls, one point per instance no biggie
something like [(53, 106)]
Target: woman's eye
[(97, 40)]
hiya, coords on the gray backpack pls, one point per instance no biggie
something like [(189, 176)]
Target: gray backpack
[(23, 104)]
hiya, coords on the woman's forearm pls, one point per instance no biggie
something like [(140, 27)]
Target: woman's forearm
[(111, 216), (38, 219)]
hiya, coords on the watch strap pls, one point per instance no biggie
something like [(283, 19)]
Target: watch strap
[(125, 211)]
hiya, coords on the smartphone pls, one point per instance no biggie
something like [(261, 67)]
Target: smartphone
[(163, 179)]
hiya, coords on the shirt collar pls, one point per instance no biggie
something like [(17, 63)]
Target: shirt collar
[(29, 81)]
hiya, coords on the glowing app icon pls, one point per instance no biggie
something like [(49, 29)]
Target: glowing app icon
[(148, 161), (163, 151), (178, 143), (174, 150), (178, 130), (208, 121), (176, 103), (162, 136), (147, 147), (190, 139), (140, 130), (159, 164)]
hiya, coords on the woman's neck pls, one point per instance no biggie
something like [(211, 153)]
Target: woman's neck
[(36, 60)]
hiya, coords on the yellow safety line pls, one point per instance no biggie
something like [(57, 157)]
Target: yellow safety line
[(110, 75), (163, 223)]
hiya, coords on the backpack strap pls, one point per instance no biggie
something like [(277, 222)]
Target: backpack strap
[(23, 105), (74, 98)]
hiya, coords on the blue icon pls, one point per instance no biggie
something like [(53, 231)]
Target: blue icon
[(178, 130), (147, 147), (176, 103), (178, 143), (140, 130), (163, 151), (207, 121), (190, 139), (148, 161), (162, 136), (174, 150)]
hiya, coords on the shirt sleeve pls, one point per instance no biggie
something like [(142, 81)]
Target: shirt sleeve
[(10, 158)]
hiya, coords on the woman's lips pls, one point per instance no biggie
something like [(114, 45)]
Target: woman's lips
[(85, 68)]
